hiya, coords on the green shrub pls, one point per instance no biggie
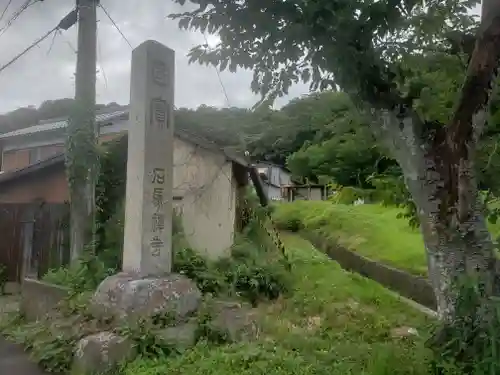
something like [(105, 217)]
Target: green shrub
[(256, 269), (146, 342), (288, 217), (471, 343), (110, 251), (54, 353), (84, 275), (250, 273), (254, 273), (350, 194), (191, 264), (254, 281)]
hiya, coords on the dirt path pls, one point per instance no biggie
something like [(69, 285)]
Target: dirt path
[(13, 360)]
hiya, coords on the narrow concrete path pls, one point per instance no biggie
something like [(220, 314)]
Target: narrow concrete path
[(14, 360)]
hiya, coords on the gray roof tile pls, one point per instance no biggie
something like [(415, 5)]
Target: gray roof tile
[(59, 124)]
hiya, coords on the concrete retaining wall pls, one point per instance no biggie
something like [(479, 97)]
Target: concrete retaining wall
[(413, 287), (39, 298)]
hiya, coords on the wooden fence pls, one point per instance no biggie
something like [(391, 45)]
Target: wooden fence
[(33, 238)]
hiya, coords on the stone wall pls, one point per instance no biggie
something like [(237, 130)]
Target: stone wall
[(39, 298), (413, 287)]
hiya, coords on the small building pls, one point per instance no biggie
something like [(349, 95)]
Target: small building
[(208, 181), (308, 192), (274, 177)]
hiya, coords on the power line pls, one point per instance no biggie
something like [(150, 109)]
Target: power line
[(68, 43), (5, 10), (99, 58), (219, 77), (52, 42), (36, 43), (242, 138), (16, 15), (115, 25), (68, 21)]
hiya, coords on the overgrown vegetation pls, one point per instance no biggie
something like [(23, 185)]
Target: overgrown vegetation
[(458, 348), (424, 73), (328, 322), (372, 230), (332, 322), (255, 272)]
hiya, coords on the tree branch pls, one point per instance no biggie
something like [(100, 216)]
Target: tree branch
[(480, 74)]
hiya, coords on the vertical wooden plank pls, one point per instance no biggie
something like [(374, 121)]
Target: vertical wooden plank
[(10, 249), (47, 240)]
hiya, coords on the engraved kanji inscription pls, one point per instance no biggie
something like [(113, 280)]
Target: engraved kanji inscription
[(155, 251), (158, 194), (158, 176), (159, 113), (156, 244), (157, 222), (159, 73)]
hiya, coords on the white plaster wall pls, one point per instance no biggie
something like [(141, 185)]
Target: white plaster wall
[(208, 207), (204, 180), (285, 178), (273, 193)]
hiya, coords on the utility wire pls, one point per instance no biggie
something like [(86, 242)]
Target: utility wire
[(228, 103), (219, 77), (16, 15), (99, 58), (5, 10), (52, 42), (68, 42), (65, 24), (36, 43), (115, 25)]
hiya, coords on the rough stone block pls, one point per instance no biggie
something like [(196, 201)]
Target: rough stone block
[(39, 298), (181, 337), (238, 321), (101, 352), (127, 297)]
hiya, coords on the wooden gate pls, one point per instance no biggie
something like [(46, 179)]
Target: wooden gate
[(11, 255), (33, 239)]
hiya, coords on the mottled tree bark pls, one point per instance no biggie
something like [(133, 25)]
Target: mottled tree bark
[(438, 165)]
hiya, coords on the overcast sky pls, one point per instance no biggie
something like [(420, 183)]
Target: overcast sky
[(46, 73), (41, 75)]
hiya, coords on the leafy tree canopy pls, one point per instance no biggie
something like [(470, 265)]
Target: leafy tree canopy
[(370, 48)]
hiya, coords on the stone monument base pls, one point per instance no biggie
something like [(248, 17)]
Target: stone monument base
[(126, 297)]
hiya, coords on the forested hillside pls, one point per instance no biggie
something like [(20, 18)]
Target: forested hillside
[(321, 137)]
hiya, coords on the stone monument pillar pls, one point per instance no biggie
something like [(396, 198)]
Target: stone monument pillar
[(148, 208), (147, 287)]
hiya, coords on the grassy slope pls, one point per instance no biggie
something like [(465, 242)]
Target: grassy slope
[(372, 230), (334, 322)]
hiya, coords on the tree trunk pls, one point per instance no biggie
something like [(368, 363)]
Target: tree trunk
[(438, 164), (454, 247), (78, 223)]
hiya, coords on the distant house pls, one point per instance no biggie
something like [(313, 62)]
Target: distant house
[(274, 177), (208, 181), (279, 185), (308, 192)]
